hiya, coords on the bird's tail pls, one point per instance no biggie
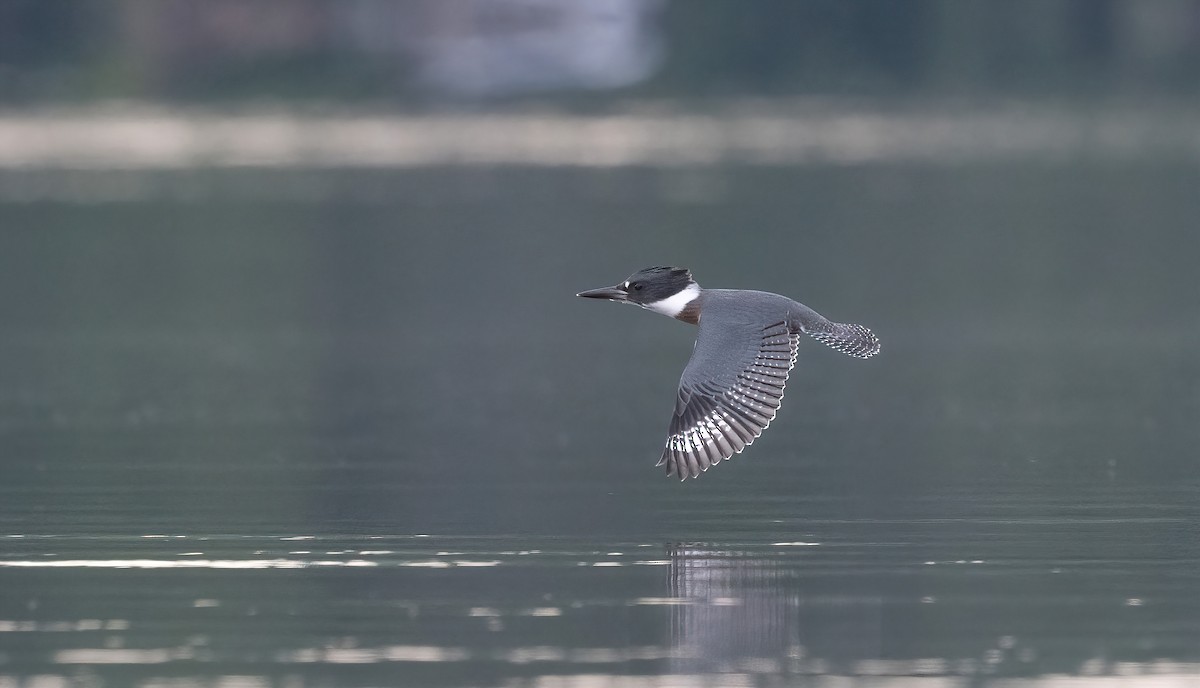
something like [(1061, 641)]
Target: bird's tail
[(848, 338)]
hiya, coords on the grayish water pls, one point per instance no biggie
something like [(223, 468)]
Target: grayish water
[(368, 436)]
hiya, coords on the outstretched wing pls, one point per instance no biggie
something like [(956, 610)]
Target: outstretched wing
[(729, 393)]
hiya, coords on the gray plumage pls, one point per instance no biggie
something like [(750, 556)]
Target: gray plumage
[(733, 385)]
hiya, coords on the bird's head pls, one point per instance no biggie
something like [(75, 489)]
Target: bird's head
[(663, 290)]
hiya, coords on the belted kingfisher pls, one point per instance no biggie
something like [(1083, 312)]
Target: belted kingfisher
[(731, 388)]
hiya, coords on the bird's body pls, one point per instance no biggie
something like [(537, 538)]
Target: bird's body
[(731, 388)]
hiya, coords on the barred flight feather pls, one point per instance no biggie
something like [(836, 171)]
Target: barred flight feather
[(717, 422)]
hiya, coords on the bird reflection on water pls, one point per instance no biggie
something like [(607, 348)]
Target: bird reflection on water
[(751, 612)]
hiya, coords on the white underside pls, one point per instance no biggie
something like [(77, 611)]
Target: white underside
[(674, 305)]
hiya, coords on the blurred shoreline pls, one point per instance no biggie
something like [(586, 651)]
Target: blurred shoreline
[(773, 133)]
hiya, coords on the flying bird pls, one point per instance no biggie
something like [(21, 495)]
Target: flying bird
[(731, 388)]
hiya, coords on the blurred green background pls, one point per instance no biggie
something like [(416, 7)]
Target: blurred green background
[(360, 51)]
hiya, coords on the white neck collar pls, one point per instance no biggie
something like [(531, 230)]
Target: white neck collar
[(672, 306)]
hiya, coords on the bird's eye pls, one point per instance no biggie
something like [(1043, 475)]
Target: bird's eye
[(636, 286)]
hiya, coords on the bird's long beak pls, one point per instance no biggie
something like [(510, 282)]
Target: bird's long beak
[(614, 293)]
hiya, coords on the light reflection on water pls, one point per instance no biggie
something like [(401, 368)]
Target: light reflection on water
[(197, 564), (810, 609)]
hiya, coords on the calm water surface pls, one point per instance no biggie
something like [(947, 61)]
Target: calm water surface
[(370, 438)]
